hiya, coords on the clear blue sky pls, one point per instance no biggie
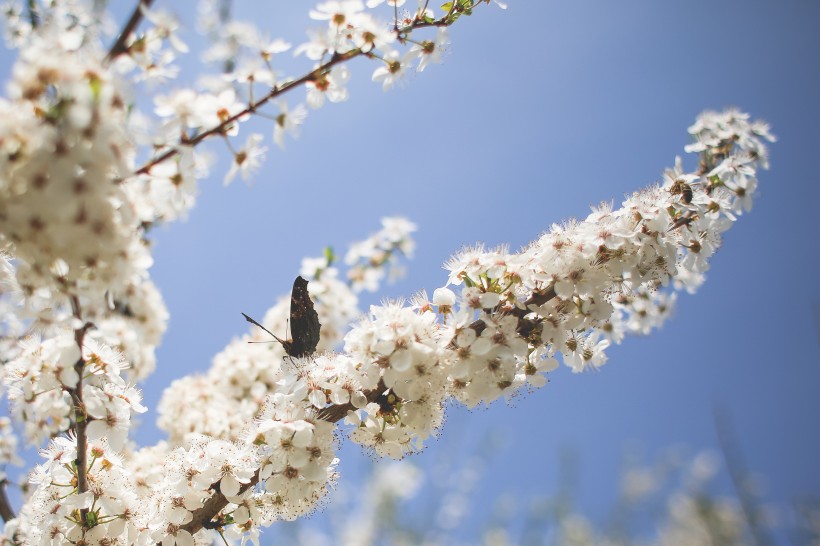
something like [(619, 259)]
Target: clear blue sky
[(538, 112)]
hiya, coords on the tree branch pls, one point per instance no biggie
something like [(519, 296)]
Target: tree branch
[(33, 17), (218, 502), (251, 108), (6, 511), (80, 417), (119, 47), (337, 58)]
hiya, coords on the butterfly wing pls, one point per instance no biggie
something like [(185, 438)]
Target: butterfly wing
[(304, 321)]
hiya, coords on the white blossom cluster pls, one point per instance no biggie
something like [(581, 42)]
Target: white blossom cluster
[(8, 447), (41, 378), (55, 511), (375, 257), (299, 455), (252, 66), (133, 324), (64, 149), (128, 502), (70, 233), (73, 21)]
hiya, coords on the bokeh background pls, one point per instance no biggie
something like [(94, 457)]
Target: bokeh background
[(538, 112)]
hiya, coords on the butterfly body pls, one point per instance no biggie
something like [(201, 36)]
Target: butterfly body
[(304, 323)]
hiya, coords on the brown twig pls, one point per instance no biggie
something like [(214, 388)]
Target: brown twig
[(6, 511), (213, 506), (33, 17), (80, 417), (217, 502), (119, 47), (225, 125), (277, 91)]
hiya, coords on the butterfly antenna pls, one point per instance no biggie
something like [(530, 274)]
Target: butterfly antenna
[(249, 319)]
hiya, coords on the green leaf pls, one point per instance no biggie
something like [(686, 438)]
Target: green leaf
[(95, 83), (330, 256)]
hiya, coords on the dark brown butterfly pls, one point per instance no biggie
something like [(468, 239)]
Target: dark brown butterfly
[(304, 322)]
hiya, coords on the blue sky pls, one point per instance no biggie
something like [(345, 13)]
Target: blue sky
[(538, 112)]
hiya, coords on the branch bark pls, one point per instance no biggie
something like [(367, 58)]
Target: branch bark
[(6, 511), (80, 416), (218, 502), (119, 47)]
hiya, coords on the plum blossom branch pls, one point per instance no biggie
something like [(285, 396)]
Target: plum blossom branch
[(567, 294), (218, 501), (6, 511), (120, 46), (223, 126), (212, 507), (420, 20), (80, 417)]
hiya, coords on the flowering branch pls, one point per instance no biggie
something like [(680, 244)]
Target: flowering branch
[(212, 507), (224, 126), (80, 417), (217, 502), (120, 46), (6, 511), (420, 20)]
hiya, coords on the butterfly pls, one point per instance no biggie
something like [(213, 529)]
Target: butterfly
[(304, 322)]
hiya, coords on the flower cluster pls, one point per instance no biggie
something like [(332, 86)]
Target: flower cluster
[(147, 497), (58, 513), (402, 350), (369, 259), (251, 80), (40, 381), (64, 149), (189, 477), (8, 447), (133, 324), (298, 455), (71, 231), (148, 54), (569, 294)]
